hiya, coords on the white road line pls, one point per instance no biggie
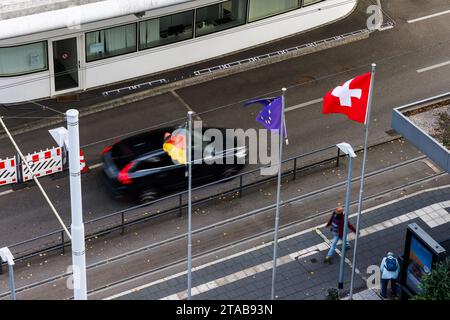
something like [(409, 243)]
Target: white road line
[(319, 247), (443, 64), (4, 193), (429, 17), (302, 105), (94, 166), (385, 28), (347, 260)]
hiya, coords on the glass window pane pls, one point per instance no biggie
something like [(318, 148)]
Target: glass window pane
[(23, 59), (164, 30), (220, 16), (308, 2), (110, 42), (265, 8)]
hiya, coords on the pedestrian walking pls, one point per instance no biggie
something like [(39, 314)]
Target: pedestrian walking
[(389, 270), (337, 228)]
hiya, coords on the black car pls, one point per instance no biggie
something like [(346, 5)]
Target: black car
[(139, 167)]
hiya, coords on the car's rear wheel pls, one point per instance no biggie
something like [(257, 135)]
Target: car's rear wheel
[(147, 195)]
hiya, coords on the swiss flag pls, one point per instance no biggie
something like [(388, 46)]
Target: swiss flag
[(350, 99)]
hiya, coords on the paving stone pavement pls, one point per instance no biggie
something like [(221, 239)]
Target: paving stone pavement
[(301, 272)]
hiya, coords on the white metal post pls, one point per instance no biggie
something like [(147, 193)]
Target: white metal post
[(6, 255), (78, 245), (189, 162), (11, 281), (277, 214), (344, 236), (348, 150)]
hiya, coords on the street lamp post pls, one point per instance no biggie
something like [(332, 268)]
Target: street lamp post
[(6, 255), (348, 150), (78, 244)]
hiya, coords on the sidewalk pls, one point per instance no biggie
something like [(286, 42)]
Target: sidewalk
[(301, 273)]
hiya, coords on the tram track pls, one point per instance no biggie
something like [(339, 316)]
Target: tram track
[(175, 258)]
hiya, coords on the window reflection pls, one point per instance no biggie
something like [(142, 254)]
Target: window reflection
[(165, 30), (220, 16)]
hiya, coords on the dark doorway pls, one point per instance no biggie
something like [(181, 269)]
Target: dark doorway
[(65, 64)]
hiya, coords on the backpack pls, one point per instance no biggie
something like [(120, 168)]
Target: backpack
[(391, 264)]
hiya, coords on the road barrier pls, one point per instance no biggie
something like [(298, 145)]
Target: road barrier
[(43, 163), (83, 166), (8, 171)]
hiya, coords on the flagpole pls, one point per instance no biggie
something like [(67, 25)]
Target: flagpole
[(285, 132), (189, 162), (361, 190), (277, 214)]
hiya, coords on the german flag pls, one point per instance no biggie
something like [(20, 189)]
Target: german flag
[(175, 146)]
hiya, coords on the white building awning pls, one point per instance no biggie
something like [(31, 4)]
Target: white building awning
[(78, 15)]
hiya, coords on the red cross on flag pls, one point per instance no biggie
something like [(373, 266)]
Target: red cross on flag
[(350, 99)]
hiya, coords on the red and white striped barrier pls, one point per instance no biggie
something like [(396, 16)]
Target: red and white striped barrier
[(83, 166), (43, 163), (8, 171)]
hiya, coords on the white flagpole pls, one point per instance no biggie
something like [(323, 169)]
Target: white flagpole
[(277, 214), (285, 132), (189, 162), (361, 190)]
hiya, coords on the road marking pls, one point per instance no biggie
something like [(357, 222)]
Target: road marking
[(319, 247), (388, 27), (347, 260), (4, 193), (303, 105), (443, 64), (95, 166), (181, 100), (429, 17)]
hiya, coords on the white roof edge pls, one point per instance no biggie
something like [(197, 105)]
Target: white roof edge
[(78, 15)]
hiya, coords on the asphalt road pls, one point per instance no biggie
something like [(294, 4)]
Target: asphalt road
[(399, 53)]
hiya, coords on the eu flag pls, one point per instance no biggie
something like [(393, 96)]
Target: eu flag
[(270, 116)]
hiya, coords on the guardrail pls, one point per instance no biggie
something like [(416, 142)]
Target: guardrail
[(57, 241)]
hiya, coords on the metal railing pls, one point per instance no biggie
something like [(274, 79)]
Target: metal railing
[(56, 240)]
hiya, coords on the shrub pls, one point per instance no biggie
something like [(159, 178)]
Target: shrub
[(436, 284)]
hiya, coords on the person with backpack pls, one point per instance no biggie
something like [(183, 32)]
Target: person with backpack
[(389, 270), (337, 228)]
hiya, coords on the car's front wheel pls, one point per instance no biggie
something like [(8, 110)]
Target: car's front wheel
[(147, 195)]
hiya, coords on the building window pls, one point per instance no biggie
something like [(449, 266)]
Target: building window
[(308, 2), (265, 8), (24, 59), (165, 30), (220, 16), (110, 42)]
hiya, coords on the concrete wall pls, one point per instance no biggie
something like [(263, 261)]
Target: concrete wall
[(419, 138)]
